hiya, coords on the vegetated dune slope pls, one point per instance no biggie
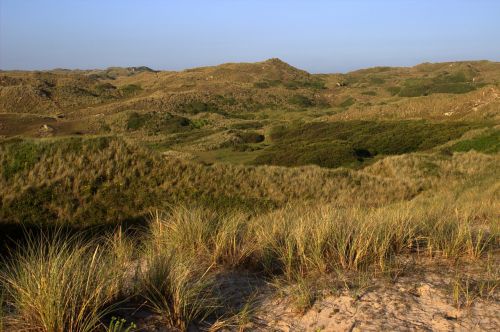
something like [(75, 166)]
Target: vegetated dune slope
[(271, 198)]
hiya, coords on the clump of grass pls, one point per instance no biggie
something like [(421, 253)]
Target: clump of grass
[(57, 283), (301, 292), (467, 290), (120, 325), (176, 284)]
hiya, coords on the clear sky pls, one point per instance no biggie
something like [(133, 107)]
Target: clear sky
[(316, 35)]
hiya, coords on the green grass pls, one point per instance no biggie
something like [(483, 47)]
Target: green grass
[(155, 123), (487, 143), (247, 125), (350, 143), (135, 121), (195, 107), (301, 101), (19, 155), (377, 80), (130, 89), (394, 90), (452, 83), (348, 102)]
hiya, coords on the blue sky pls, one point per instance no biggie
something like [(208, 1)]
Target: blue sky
[(318, 36)]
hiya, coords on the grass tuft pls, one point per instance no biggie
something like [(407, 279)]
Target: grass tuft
[(58, 283)]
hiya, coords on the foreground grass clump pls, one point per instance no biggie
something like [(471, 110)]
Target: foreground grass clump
[(60, 284), (56, 283), (328, 239), (293, 242), (177, 285)]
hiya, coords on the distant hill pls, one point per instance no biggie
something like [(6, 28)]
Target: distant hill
[(231, 112)]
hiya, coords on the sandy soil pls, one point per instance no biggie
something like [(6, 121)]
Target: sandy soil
[(419, 299), (406, 305)]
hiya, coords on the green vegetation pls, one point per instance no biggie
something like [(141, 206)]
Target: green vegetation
[(156, 123), (394, 90), (314, 84), (248, 125), (377, 80), (301, 101), (349, 143), (196, 107), (348, 102), (21, 156), (453, 83), (251, 137), (130, 89), (136, 121), (487, 143), (267, 84)]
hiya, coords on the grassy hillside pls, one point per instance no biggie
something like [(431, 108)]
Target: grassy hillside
[(199, 199), (76, 142)]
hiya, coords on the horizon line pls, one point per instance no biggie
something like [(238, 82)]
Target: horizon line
[(241, 62)]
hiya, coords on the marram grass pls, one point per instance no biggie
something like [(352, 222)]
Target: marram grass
[(70, 284), (58, 283)]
